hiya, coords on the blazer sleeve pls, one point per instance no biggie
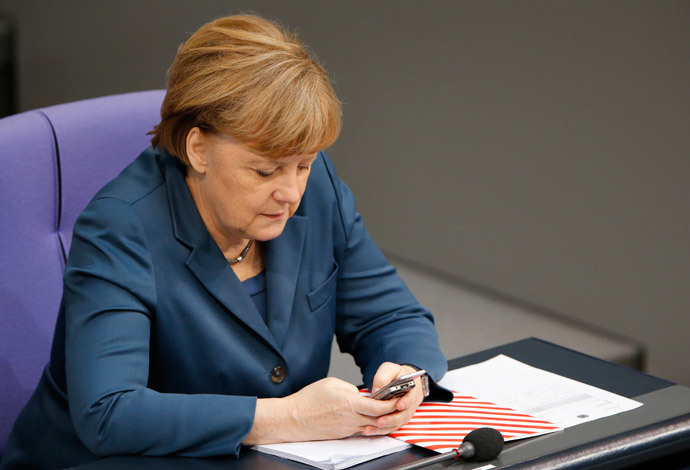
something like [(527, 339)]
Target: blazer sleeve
[(378, 318), (109, 301)]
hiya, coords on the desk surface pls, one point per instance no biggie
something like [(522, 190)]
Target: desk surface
[(659, 428)]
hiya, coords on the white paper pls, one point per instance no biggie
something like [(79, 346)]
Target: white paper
[(336, 454), (563, 401)]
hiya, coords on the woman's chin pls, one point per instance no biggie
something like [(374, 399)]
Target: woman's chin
[(268, 233)]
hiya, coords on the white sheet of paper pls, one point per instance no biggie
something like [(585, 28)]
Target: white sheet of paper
[(336, 454), (563, 401)]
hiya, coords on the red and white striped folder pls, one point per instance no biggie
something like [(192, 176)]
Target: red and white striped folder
[(443, 426)]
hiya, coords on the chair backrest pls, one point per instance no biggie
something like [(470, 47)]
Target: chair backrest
[(52, 161)]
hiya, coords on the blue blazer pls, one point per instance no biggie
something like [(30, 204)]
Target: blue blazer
[(159, 349)]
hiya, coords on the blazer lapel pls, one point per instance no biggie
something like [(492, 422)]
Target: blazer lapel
[(283, 257), (206, 261)]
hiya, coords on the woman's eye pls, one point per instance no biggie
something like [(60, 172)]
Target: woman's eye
[(304, 167), (264, 174)]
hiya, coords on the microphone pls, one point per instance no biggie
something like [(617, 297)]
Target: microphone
[(480, 445)]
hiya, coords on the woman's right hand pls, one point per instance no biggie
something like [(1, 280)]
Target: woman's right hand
[(327, 409)]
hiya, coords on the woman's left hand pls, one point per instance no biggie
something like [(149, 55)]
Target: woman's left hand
[(406, 405)]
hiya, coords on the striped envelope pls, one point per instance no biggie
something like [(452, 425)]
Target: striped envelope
[(443, 426)]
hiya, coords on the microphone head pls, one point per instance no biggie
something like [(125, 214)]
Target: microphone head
[(487, 442)]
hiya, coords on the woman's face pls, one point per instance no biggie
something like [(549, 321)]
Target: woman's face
[(242, 195)]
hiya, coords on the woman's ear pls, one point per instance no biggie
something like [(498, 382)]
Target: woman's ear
[(197, 150)]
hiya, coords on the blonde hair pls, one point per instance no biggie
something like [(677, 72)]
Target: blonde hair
[(247, 77)]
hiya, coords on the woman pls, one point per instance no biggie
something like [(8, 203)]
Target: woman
[(205, 283)]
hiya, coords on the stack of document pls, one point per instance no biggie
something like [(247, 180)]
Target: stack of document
[(336, 454), (536, 392)]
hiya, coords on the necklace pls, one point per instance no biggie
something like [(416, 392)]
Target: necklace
[(243, 254)]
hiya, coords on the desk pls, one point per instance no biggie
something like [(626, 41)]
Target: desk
[(658, 430)]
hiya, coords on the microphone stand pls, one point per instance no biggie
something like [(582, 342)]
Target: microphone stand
[(465, 451)]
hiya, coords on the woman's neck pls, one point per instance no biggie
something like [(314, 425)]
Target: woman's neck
[(231, 246)]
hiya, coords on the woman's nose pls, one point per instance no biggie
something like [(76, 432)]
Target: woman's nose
[(289, 190)]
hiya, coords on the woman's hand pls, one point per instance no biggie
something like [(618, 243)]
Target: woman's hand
[(405, 406), (332, 409), (327, 409)]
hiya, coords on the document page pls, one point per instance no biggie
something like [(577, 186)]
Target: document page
[(336, 454), (563, 401)]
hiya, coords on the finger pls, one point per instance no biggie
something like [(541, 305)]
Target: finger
[(412, 398), (364, 421), (394, 420), (370, 407), (376, 431), (386, 373)]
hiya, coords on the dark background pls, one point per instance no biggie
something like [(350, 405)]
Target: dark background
[(536, 148)]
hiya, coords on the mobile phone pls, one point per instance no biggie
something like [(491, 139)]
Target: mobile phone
[(398, 387)]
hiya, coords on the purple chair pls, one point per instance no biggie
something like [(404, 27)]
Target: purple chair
[(53, 160)]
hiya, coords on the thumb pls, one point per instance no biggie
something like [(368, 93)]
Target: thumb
[(386, 373)]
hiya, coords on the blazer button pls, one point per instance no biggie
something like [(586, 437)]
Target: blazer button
[(278, 374)]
